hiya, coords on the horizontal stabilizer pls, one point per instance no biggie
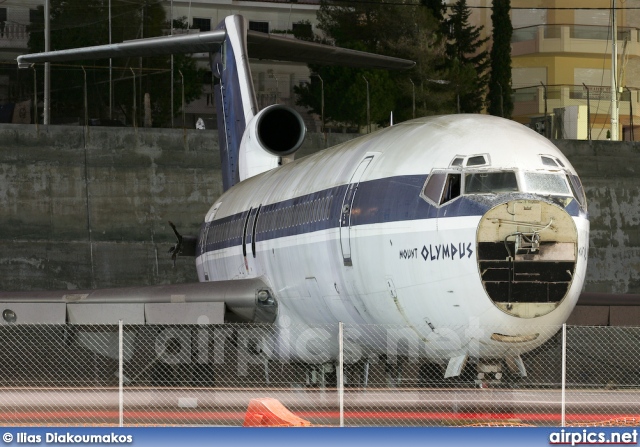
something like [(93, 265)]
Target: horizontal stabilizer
[(260, 46), (274, 47), (155, 46)]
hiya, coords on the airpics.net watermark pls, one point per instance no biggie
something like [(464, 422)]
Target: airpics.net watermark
[(592, 437), (319, 344), (65, 438)]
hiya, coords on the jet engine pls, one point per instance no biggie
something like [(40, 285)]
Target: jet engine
[(275, 132)]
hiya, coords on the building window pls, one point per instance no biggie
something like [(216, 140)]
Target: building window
[(302, 29), (201, 24), (262, 27), (36, 16)]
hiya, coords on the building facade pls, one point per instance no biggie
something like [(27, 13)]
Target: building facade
[(561, 65)]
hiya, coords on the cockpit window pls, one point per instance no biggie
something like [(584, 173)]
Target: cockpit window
[(457, 161), (443, 187), (451, 188), (433, 188), (477, 160), (544, 183), (490, 182), (548, 161), (578, 190)]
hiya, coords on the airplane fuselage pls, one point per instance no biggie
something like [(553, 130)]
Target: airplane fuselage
[(435, 225)]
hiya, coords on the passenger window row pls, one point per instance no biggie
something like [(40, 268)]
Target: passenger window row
[(298, 214), (310, 211)]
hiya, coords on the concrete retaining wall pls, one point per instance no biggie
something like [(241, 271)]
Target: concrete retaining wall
[(82, 209)]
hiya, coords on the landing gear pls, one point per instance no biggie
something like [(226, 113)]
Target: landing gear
[(324, 375)]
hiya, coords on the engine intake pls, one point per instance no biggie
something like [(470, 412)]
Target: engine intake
[(279, 130)]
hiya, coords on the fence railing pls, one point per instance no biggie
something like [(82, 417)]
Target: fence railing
[(576, 112), (329, 375)]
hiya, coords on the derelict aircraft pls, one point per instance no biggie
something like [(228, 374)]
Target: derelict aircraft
[(433, 225)]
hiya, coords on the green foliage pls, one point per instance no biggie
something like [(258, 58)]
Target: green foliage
[(467, 64), (500, 102), (401, 30), (81, 23)]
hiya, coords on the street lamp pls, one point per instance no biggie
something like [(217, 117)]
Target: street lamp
[(321, 97), (368, 107)]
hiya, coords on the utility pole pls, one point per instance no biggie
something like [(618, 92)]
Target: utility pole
[(614, 74), (171, 32), (47, 65), (110, 71)]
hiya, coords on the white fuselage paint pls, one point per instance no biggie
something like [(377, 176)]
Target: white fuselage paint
[(390, 281)]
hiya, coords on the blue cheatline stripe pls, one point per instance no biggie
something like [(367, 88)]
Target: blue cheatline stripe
[(391, 199)]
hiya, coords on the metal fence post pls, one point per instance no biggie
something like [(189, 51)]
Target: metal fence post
[(86, 109), (544, 89), (182, 100), (588, 111), (134, 98), (35, 97), (631, 138), (120, 376), (564, 374), (341, 371)]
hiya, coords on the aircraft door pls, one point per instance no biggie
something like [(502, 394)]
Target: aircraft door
[(247, 235), (345, 213)]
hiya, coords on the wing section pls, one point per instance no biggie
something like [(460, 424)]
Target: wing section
[(249, 300)]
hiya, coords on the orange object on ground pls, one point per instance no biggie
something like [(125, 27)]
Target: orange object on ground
[(268, 412)]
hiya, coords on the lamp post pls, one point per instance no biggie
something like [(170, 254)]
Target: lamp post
[(47, 65), (368, 107), (413, 95), (321, 97)]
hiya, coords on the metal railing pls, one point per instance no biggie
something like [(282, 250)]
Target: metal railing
[(578, 112), (330, 375)]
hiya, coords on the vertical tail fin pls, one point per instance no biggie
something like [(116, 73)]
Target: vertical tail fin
[(234, 95)]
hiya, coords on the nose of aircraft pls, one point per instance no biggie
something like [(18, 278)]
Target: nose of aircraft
[(527, 253)]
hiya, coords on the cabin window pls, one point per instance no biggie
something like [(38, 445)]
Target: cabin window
[(327, 209), (490, 182), (543, 183)]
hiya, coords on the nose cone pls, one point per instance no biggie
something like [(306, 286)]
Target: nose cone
[(527, 252)]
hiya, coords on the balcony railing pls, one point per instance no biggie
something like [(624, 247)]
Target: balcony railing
[(13, 36), (590, 39)]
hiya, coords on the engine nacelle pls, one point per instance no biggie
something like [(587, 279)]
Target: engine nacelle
[(275, 132)]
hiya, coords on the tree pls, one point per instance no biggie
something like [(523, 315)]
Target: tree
[(468, 65), (402, 30), (499, 98), (80, 23)]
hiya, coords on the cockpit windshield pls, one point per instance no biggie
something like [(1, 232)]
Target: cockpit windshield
[(490, 182), (546, 183)]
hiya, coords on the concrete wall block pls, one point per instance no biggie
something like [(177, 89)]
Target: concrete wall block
[(138, 179)]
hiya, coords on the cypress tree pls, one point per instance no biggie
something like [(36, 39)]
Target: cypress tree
[(499, 98), (468, 65)]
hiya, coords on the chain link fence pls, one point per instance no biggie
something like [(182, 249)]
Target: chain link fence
[(327, 375), (576, 112)]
